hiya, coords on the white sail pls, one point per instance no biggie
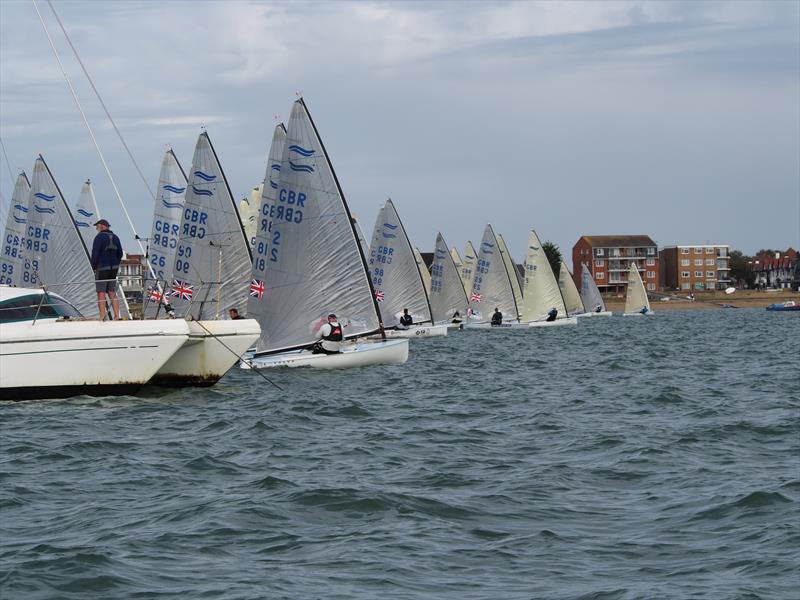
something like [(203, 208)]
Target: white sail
[(314, 263), (491, 284), (396, 277), (456, 261), (511, 267), (572, 299), (636, 296), (590, 295), (423, 270), (362, 241), (53, 245), (86, 214), (248, 211), (12, 270), (264, 234), (212, 261), (447, 291), (540, 292), (468, 266)]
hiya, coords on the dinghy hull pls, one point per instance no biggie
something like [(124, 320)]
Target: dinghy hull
[(604, 313), (390, 352), (501, 327), (418, 331), (556, 323)]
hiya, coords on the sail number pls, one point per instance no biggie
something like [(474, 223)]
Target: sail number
[(182, 263), (166, 234), (193, 221), (383, 255)]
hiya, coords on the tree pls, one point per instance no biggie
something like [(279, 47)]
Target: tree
[(553, 255), (740, 270)]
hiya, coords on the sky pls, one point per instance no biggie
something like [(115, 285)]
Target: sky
[(678, 120)]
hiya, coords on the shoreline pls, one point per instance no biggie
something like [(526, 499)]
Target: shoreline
[(745, 299)]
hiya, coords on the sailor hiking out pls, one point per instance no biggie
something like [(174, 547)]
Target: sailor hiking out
[(497, 318), (406, 320), (331, 336), (106, 257)]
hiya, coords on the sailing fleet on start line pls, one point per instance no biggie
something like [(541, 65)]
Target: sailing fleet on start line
[(292, 256)]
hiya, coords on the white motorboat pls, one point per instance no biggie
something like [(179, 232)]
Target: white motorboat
[(47, 350)]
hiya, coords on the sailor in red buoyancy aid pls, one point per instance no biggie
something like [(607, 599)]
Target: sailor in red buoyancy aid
[(331, 336)]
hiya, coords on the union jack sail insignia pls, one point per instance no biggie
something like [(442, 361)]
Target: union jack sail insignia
[(182, 290), (379, 295), (475, 297), (257, 288), (154, 295)]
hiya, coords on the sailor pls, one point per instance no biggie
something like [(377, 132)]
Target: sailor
[(552, 314), (406, 320), (598, 308), (644, 310), (106, 256), (233, 313), (456, 317), (497, 318), (330, 335)]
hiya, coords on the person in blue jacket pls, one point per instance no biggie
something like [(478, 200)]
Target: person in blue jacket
[(106, 256)]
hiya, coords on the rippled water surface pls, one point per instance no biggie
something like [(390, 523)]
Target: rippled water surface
[(625, 458)]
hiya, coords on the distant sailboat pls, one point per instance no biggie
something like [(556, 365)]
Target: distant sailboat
[(541, 293), (468, 266), (590, 295), (212, 265), (362, 241), (397, 277), (636, 302), (12, 266), (492, 287), (572, 299), (423, 270), (449, 301), (314, 264), (456, 261), (248, 211), (511, 267)]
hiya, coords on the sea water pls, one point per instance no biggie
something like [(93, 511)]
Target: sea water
[(623, 458)]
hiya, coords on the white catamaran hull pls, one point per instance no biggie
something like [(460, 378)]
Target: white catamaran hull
[(391, 352), (58, 359), (603, 313), (556, 323), (212, 349), (418, 331)]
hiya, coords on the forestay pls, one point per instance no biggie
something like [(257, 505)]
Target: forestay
[(263, 236), (491, 285), (572, 299), (468, 266), (540, 292), (636, 296), (447, 291), (54, 252), (314, 264), (212, 261), (396, 277), (12, 271), (511, 267), (590, 295)]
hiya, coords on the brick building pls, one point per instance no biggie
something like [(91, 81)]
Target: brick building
[(698, 267), (608, 258), (778, 270)]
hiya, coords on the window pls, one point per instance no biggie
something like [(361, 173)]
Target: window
[(600, 263), (614, 252), (26, 308), (698, 274), (685, 262), (651, 286), (651, 262), (711, 274), (709, 262), (684, 251), (651, 274), (710, 250), (600, 275), (686, 285), (698, 262), (599, 252), (685, 274), (651, 251), (698, 250)]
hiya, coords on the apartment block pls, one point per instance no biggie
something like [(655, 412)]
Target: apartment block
[(696, 268), (609, 257)]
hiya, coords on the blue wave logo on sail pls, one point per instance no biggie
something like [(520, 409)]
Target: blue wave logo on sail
[(301, 151), (205, 176), (487, 248), (82, 224), (302, 168), (200, 192), (20, 207), (388, 228), (275, 167), (175, 190), (173, 204), (85, 213), (440, 255), (44, 197), (18, 220), (273, 185), (43, 209)]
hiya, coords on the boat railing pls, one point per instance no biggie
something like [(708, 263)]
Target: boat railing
[(159, 292)]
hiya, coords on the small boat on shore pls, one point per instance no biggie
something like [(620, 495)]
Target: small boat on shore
[(789, 305)]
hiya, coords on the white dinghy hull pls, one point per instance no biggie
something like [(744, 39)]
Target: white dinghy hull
[(501, 327), (604, 313), (556, 323), (390, 352), (649, 313), (418, 331), (212, 349)]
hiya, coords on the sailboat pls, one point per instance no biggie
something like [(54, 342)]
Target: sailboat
[(449, 301), (492, 288), (511, 267), (423, 270), (12, 270), (572, 299), (468, 266), (397, 278), (211, 275), (456, 260), (636, 302), (313, 264), (362, 241), (248, 211), (540, 292), (590, 296)]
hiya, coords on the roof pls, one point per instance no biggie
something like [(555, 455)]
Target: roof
[(628, 241)]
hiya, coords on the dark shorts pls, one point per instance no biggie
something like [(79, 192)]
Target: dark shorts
[(105, 280)]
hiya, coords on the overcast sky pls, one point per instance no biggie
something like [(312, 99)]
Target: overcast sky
[(679, 120)]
